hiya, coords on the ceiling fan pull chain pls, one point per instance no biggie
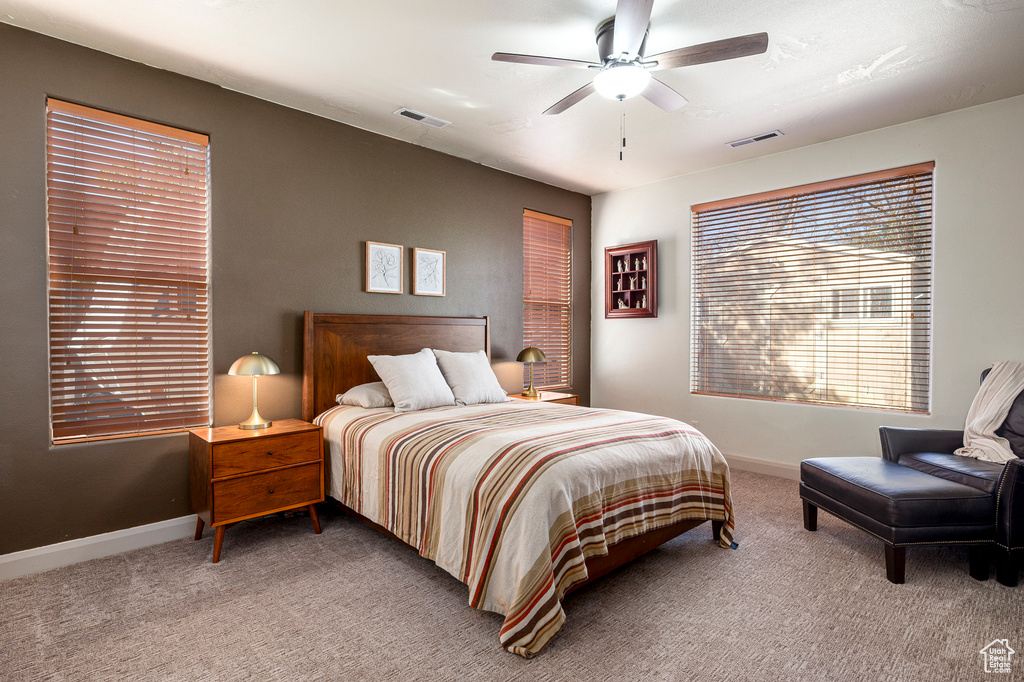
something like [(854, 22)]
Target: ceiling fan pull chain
[(622, 130)]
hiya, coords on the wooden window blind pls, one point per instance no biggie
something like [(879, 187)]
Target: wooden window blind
[(547, 296), (818, 294), (128, 227)]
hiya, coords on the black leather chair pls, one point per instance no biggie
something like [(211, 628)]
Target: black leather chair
[(920, 493)]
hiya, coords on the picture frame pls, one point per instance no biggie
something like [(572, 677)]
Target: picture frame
[(429, 276), (384, 265)]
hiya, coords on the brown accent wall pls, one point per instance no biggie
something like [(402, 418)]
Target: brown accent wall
[(295, 197)]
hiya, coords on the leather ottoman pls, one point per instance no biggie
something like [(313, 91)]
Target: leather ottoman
[(900, 506)]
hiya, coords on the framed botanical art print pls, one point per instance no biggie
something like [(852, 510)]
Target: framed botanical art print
[(384, 268), (428, 272)]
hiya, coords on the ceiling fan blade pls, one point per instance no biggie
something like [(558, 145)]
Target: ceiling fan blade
[(664, 96), (566, 102), (541, 61), (631, 19), (717, 51)]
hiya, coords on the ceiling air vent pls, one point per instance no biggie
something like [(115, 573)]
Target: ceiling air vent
[(422, 118), (755, 138)]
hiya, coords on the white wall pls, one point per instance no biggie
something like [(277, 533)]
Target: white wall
[(978, 293)]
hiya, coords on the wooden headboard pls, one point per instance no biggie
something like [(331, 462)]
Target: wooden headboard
[(335, 348)]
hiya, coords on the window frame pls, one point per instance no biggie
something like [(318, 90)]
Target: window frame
[(858, 233), (128, 222)]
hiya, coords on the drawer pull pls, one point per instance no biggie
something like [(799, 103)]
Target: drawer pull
[(271, 490), (270, 453)]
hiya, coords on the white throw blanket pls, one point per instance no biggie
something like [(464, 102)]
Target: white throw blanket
[(988, 411)]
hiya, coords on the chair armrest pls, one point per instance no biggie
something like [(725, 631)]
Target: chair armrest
[(1010, 505), (897, 440)]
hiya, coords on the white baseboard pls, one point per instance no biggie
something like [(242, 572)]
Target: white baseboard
[(764, 466), (39, 559)]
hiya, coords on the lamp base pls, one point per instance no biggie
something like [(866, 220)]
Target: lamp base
[(531, 392), (255, 421)]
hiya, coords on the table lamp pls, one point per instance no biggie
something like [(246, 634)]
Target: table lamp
[(254, 365), (531, 354)]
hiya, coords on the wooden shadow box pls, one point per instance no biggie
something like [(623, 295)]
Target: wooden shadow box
[(631, 280)]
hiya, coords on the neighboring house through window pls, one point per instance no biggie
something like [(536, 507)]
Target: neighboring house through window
[(547, 296), (129, 286), (817, 294)]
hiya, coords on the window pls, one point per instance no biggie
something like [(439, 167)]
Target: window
[(547, 296), (851, 304), (880, 302), (818, 294), (128, 226), (845, 303)]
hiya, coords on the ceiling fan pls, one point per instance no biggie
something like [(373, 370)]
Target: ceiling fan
[(624, 71)]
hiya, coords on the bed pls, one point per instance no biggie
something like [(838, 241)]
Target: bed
[(522, 501)]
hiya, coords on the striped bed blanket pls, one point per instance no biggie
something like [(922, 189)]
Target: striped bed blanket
[(512, 498)]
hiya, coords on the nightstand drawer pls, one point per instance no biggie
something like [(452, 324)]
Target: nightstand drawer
[(271, 451), (263, 493)]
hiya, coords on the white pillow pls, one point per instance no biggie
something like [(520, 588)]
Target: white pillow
[(414, 381), (471, 378), (366, 395)]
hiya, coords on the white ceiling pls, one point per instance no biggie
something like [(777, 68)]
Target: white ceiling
[(833, 68)]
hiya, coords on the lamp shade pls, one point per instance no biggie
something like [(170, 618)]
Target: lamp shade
[(531, 354), (253, 365)]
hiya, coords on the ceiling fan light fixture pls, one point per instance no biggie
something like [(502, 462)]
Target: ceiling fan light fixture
[(622, 51), (621, 80)]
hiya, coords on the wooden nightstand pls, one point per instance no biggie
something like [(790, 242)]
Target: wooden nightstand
[(553, 397), (236, 474)]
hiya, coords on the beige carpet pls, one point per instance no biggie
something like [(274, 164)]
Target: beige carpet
[(284, 604)]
